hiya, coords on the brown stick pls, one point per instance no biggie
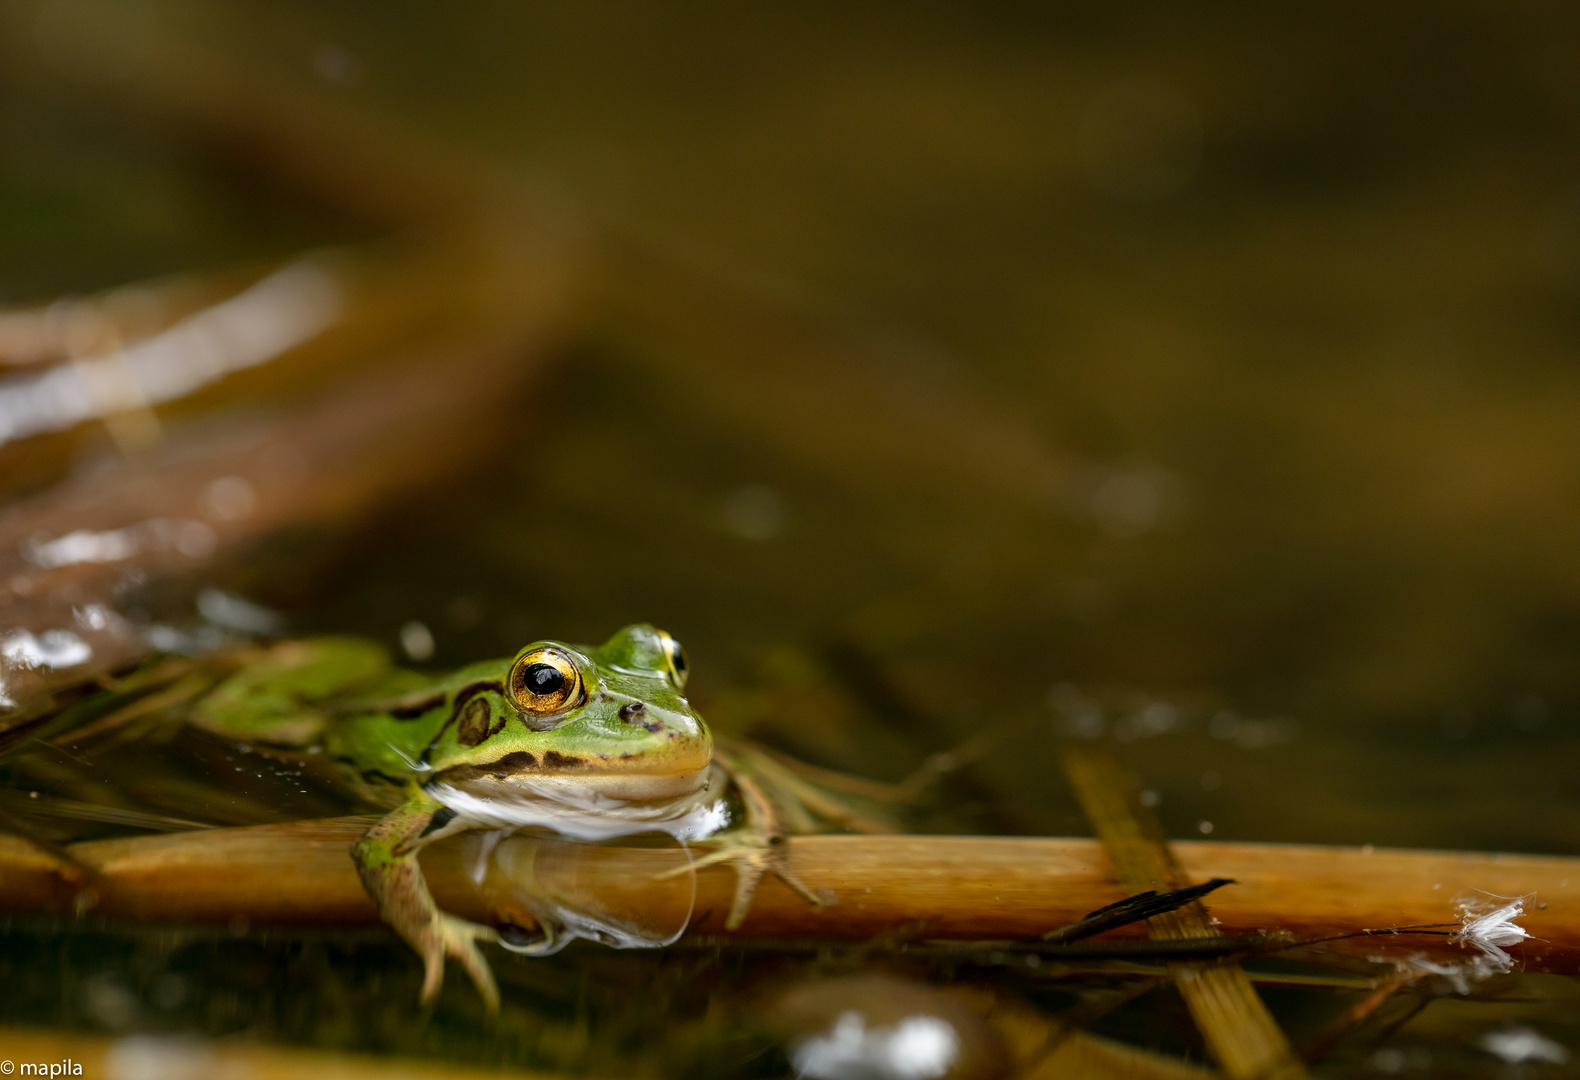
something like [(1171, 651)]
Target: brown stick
[(963, 887)]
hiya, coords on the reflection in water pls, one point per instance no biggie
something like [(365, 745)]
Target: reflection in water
[(916, 1048), (233, 613), (882, 1026), (551, 878), (51, 649), (556, 884), (193, 539), (1518, 1044)]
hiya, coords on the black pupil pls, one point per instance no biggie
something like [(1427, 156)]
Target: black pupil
[(543, 679), (679, 659)]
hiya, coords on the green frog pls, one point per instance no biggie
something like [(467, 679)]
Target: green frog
[(590, 742)]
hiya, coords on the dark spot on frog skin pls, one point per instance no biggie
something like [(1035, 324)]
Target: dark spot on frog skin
[(473, 726), (553, 759), (518, 761), (462, 699), (441, 817), (514, 762)]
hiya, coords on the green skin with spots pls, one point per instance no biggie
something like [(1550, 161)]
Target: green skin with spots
[(627, 732)]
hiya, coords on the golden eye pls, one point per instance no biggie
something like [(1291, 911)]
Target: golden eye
[(544, 682), (674, 660)]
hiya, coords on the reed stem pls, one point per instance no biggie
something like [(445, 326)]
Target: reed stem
[(953, 886)]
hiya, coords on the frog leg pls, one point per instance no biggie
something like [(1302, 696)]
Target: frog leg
[(801, 791), (281, 696), (875, 790), (386, 859), (760, 847), (799, 788), (180, 692)]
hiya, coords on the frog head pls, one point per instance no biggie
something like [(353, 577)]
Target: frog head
[(608, 722)]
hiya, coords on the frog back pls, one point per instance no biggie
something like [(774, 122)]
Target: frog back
[(393, 731), (283, 694)]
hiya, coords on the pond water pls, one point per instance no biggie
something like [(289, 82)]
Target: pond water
[(1200, 386)]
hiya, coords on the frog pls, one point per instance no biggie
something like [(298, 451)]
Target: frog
[(589, 741)]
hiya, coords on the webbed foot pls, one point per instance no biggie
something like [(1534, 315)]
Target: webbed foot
[(753, 854), (448, 936)]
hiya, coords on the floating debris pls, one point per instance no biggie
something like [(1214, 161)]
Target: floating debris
[(1143, 905), (1489, 929), (1493, 930)]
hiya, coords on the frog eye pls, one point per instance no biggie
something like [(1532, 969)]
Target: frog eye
[(674, 660), (544, 682)]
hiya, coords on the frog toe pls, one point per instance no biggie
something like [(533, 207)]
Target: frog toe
[(453, 937), (749, 870), (750, 866), (752, 855)]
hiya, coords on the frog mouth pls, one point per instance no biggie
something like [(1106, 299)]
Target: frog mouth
[(686, 807), (679, 770), (523, 771)]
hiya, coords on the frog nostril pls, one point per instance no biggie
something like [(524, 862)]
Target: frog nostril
[(632, 713)]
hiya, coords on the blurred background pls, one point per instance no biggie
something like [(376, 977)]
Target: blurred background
[(1204, 383)]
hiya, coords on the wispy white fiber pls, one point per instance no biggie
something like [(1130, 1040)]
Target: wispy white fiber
[(1492, 928), (1484, 924)]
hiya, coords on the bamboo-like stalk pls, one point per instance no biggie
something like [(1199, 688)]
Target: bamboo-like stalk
[(941, 886), (1242, 1035), (1050, 1048)]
